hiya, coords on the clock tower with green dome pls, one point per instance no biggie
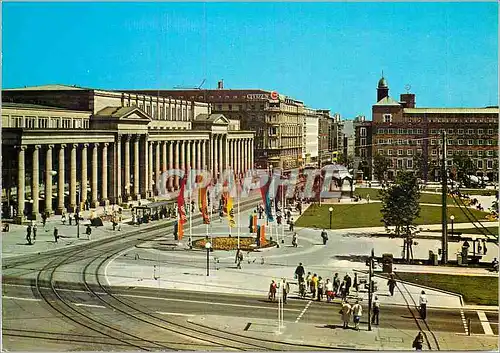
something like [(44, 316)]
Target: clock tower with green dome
[(382, 89)]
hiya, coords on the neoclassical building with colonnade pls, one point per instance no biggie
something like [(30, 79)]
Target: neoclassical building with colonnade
[(66, 146)]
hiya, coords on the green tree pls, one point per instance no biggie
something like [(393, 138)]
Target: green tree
[(421, 166), (400, 208), (380, 166), (462, 167)]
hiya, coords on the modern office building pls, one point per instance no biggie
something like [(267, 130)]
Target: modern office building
[(401, 132), (113, 146)]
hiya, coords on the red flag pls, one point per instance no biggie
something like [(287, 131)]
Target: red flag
[(181, 209), (202, 201)]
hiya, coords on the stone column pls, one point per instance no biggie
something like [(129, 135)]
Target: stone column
[(198, 155), (245, 156), (137, 196), (193, 155), (188, 156), (177, 164), (204, 163), (95, 201), (237, 156), (104, 188), (48, 179), (83, 183), (126, 175), (221, 155), (211, 162), (164, 166), (35, 182), (60, 184), (171, 164), (21, 187), (157, 169), (251, 153), (216, 156), (72, 178), (150, 184), (182, 156), (118, 169)]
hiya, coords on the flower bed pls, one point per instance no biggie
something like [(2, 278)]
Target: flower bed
[(227, 243)]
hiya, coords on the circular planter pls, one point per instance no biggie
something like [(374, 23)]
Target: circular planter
[(231, 243)]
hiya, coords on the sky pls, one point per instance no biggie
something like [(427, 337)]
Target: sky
[(328, 55)]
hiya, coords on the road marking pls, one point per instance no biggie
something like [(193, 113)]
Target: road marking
[(177, 314), (485, 323), (464, 322), (303, 311), (110, 261), (200, 302), (90, 305), (17, 298)]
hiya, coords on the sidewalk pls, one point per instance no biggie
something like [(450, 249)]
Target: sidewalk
[(331, 335)]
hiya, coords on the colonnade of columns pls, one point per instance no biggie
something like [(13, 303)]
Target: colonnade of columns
[(121, 170)]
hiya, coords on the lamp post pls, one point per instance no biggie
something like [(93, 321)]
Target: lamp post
[(331, 215), (452, 217), (474, 246), (208, 246), (370, 287), (78, 210)]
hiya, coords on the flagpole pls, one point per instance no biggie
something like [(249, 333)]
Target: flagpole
[(282, 209), (238, 225)]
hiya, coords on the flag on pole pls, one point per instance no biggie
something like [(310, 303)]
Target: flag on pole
[(202, 201), (267, 200), (181, 208), (230, 211)]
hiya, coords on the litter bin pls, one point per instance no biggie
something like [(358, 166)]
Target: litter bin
[(387, 261)]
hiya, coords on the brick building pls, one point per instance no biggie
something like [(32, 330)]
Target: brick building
[(402, 132)]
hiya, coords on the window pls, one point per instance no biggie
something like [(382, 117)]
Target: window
[(400, 142), (470, 153), (450, 131), (480, 142), (381, 131), (460, 142), (29, 122), (490, 142), (400, 152), (490, 131), (389, 152), (400, 163), (449, 153), (409, 152), (230, 106), (489, 164), (489, 153), (390, 131), (410, 131), (433, 131), (419, 142), (434, 152), (363, 142), (460, 131), (43, 123), (363, 152), (479, 153), (470, 142), (420, 131), (449, 142), (480, 131), (409, 163), (381, 152), (389, 141), (362, 131), (419, 151), (433, 141), (470, 131), (387, 118), (479, 164)]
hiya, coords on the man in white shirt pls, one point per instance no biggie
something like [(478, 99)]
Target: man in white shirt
[(357, 311), (423, 305)]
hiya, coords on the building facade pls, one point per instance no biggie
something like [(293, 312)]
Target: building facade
[(63, 146), (411, 137)]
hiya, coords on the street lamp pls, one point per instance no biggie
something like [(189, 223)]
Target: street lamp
[(331, 216), (452, 217), (208, 246)]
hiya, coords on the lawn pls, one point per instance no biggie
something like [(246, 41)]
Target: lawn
[(476, 290), (493, 230), (424, 197), (368, 215)]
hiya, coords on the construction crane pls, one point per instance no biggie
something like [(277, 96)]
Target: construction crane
[(199, 87)]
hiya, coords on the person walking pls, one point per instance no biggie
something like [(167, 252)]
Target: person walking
[(375, 310), (272, 291), (291, 225), (44, 219), (35, 228), (346, 313), (70, 218), (418, 342), (356, 282), (56, 234), (286, 289), (88, 231), (299, 272), (324, 236), (392, 284), (63, 219), (423, 305), (238, 259), (294, 240), (357, 311), (329, 290), (321, 285), (308, 280), (336, 284), (348, 283), (28, 234), (314, 285)]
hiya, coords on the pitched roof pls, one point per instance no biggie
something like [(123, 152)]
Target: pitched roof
[(387, 101), (212, 118), (55, 87), (121, 112)]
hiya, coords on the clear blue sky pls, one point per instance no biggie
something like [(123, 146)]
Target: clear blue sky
[(329, 55)]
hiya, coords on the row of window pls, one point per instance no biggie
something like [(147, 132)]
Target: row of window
[(401, 142), (401, 152), (392, 131), (175, 113), (401, 131), (408, 163), (32, 122), (461, 142), (462, 131)]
